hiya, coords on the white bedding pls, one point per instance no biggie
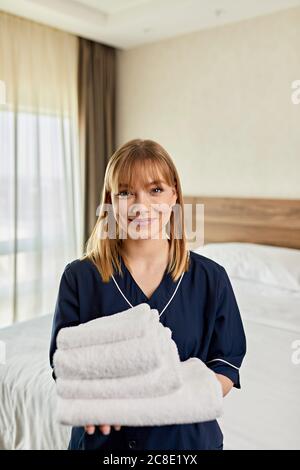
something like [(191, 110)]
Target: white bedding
[(268, 305), (264, 414), (27, 393)]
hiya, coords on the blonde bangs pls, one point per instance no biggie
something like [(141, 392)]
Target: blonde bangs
[(139, 166)]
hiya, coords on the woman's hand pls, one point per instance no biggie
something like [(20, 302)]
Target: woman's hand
[(226, 383), (104, 428)]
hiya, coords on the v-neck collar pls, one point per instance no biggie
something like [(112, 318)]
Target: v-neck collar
[(166, 276)]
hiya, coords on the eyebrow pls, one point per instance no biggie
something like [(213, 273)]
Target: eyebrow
[(124, 185)]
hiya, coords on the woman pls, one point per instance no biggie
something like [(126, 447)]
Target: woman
[(135, 255)]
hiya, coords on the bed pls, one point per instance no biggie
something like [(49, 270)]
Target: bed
[(27, 411), (265, 413), (258, 243)]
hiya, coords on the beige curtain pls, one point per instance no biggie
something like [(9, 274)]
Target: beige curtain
[(41, 180), (96, 94)]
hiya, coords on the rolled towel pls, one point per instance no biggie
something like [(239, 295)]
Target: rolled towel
[(127, 324), (120, 359), (199, 399), (159, 381)]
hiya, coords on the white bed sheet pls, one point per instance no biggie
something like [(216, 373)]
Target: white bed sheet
[(268, 305), (27, 393), (265, 412)]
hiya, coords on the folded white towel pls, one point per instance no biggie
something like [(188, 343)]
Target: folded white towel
[(127, 324), (159, 381), (199, 399), (123, 358)]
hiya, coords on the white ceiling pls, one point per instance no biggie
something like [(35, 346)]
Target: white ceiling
[(130, 23)]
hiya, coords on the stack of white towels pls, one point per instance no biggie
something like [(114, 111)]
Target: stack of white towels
[(125, 369)]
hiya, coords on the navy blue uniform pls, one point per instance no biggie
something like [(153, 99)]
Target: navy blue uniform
[(205, 322)]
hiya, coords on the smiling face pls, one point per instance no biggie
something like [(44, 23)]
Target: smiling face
[(142, 206), (141, 181)]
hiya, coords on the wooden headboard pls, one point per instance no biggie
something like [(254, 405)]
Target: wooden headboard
[(252, 220)]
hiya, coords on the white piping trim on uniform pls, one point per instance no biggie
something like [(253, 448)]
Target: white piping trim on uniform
[(223, 361), (172, 295), (168, 301), (121, 291)]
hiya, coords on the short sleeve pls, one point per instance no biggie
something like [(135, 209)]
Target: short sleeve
[(66, 311), (227, 347)]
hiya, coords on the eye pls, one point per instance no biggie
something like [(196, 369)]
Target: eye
[(160, 190), (123, 194)]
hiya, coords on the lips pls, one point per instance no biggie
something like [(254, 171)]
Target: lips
[(141, 221)]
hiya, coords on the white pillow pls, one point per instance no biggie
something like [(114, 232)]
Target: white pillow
[(271, 265)]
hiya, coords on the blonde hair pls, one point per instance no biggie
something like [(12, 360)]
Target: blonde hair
[(146, 156)]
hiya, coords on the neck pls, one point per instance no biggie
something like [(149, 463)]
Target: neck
[(146, 251)]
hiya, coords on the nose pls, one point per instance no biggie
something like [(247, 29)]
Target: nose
[(141, 197), (141, 205)]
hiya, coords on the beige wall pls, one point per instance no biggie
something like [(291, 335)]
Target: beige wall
[(219, 101)]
